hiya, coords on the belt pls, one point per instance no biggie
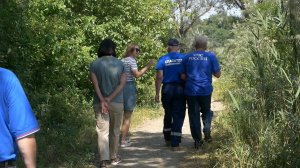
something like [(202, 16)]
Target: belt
[(7, 163)]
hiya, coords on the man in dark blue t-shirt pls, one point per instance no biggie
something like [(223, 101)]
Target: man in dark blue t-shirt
[(197, 70), (17, 122), (168, 72)]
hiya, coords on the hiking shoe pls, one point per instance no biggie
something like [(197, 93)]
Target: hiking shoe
[(103, 164), (168, 143), (207, 137), (125, 143), (175, 148), (115, 161), (198, 144)]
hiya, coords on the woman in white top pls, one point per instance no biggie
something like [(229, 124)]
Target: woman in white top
[(132, 72)]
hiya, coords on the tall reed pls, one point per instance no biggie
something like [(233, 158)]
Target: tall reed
[(264, 118)]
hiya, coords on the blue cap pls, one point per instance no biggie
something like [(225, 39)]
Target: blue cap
[(173, 42)]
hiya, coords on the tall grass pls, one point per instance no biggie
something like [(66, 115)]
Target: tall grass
[(264, 117)]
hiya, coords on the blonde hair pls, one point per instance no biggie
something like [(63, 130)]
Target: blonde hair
[(130, 49)]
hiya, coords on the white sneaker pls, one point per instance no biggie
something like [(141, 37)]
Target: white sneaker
[(116, 161), (125, 144)]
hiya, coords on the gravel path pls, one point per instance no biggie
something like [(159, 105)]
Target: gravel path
[(148, 147)]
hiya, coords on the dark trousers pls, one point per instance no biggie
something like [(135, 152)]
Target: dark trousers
[(173, 101), (197, 104)]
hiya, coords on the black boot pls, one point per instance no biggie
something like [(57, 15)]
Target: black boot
[(207, 137), (198, 144)]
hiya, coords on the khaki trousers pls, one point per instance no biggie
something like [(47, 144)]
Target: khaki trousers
[(108, 130)]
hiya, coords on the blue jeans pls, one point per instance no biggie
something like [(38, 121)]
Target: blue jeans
[(173, 101), (197, 104)]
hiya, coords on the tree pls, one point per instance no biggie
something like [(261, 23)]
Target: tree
[(188, 12), (49, 44), (242, 4)]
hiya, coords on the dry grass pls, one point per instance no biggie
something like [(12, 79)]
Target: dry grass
[(142, 114)]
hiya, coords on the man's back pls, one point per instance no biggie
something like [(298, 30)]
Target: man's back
[(199, 67), (170, 64)]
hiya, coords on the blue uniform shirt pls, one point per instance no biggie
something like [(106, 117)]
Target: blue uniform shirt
[(16, 117), (171, 66), (199, 67)]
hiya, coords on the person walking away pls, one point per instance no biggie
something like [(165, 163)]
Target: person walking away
[(198, 68), (17, 123), (130, 97), (172, 95), (108, 78)]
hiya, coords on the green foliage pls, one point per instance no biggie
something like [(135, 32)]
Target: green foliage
[(49, 44), (218, 28), (263, 72)]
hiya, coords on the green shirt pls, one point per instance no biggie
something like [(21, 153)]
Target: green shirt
[(108, 71)]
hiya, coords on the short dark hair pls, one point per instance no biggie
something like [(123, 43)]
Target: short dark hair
[(107, 47)]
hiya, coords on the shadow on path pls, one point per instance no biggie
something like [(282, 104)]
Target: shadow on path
[(149, 150)]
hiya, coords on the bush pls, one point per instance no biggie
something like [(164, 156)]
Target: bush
[(49, 44)]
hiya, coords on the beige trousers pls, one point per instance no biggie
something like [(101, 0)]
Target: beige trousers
[(108, 130)]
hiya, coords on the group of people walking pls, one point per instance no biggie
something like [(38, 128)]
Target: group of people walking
[(184, 78)]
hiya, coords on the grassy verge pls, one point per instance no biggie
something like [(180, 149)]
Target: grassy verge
[(142, 114)]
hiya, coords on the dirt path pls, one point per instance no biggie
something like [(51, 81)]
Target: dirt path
[(148, 148)]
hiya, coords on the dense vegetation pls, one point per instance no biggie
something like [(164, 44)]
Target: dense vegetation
[(49, 44), (262, 78)]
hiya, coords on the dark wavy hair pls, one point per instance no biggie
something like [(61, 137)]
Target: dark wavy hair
[(107, 47)]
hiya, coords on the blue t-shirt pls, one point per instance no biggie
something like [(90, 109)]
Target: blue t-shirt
[(16, 117), (199, 67), (170, 64)]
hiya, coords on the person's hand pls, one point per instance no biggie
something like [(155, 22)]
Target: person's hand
[(108, 100), (157, 98), (104, 107), (151, 62)]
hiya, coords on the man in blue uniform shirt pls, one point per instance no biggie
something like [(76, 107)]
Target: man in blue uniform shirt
[(168, 72), (197, 70), (17, 123)]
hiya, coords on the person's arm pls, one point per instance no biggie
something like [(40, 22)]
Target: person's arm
[(136, 73), (27, 147), (104, 105), (22, 121), (183, 76), (158, 81), (183, 69), (118, 89)]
